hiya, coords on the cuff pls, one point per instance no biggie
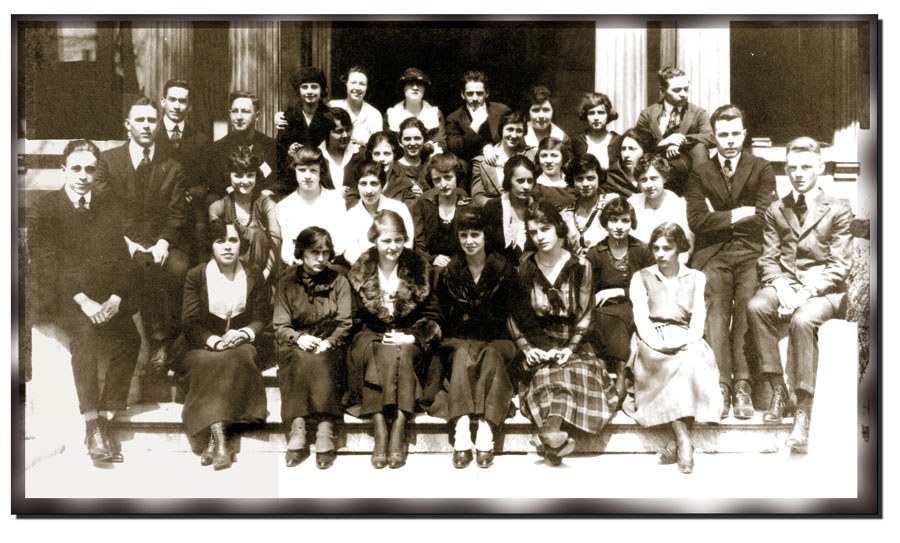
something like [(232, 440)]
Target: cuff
[(522, 344), (250, 333), (212, 340)]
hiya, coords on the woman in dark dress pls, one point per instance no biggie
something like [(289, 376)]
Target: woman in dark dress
[(312, 323), (566, 384), (627, 149), (225, 309), (597, 111), (613, 261), (383, 148), (411, 164), (252, 213), (398, 313), (475, 292), (434, 214), (505, 215)]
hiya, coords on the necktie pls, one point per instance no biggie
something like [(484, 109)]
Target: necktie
[(142, 173), (727, 172), (674, 122), (800, 208), (82, 205), (176, 137)]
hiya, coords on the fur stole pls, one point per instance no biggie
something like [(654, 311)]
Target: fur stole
[(414, 273)]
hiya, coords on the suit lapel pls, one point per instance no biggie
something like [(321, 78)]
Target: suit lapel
[(816, 212), (686, 120), (717, 181), (789, 216), (492, 175), (741, 176), (655, 114)]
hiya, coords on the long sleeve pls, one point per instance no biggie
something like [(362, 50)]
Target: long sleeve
[(258, 305), (479, 192), (192, 311), (701, 130), (419, 219), (282, 321), (586, 306), (840, 251), (701, 219), (343, 297), (176, 208), (769, 262)]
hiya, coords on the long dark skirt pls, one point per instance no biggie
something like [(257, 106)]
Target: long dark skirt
[(223, 386), (479, 381), (613, 326), (308, 382), (390, 375)]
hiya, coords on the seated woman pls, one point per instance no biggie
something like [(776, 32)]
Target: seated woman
[(411, 164), (383, 148), (540, 118), (434, 214), (398, 313), (366, 120), (566, 383), (552, 157), (597, 111), (582, 216), (655, 204), (370, 183), (676, 380), (488, 180), (226, 306), (303, 122), (627, 149), (252, 213), (310, 204), (337, 149), (505, 216), (613, 260), (413, 82), (474, 292), (312, 323)]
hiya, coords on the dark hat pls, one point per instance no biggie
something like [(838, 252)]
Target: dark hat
[(413, 74), (309, 74)]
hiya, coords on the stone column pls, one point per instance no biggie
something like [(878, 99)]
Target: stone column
[(621, 65), (162, 52), (253, 47), (704, 53)]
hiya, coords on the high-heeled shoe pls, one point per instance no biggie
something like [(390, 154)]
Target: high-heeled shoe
[(295, 457), (686, 460), (324, 460), (206, 457), (298, 448), (222, 458), (399, 446), (379, 452)]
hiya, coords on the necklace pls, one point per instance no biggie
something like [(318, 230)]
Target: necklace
[(237, 219)]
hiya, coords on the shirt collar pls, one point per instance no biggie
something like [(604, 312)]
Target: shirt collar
[(734, 161), (810, 195), (683, 271), (170, 124), (472, 111), (137, 152), (74, 196)]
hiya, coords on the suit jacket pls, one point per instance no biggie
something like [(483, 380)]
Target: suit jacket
[(816, 254), (151, 212), (753, 184), (464, 142), (694, 125), (191, 154), (73, 252), (216, 175)]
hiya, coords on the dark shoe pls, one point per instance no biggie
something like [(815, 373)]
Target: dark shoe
[(539, 447), (552, 458), (379, 460), (686, 459), (398, 445), (112, 441), (397, 460), (221, 455), (779, 407), (462, 459), (379, 452), (798, 440), (324, 460), (295, 457), (669, 455), (726, 400), (93, 440), (567, 448), (206, 458), (743, 401), (484, 459)]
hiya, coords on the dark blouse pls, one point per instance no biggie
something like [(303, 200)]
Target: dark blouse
[(477, 310), (433, 235), (298, 131), (318, 305), (610, 273)]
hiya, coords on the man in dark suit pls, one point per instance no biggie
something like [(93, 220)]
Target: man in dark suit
[(726, 199), (81, 271), (681, 129), (476, 125), (804, 266), (184, 141), (149, 189), (243, 112)]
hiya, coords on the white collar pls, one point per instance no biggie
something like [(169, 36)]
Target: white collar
[(74, 196), (810, 195), (734, 161), (472, 111), (170, 124), (137, 152), (683, 271)]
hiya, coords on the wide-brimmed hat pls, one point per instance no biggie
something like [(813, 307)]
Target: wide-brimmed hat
[(413, 74), (309, 74)]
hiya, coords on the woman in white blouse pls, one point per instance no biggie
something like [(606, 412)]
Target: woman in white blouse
[(366, 120), (655, 204)]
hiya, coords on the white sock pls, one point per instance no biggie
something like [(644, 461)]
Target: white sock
[(462, 435), (90, 415), (484, 439)]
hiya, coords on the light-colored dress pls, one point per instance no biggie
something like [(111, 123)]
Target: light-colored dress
[(673, 209), (365, 124), (296, 213), (668, 387)]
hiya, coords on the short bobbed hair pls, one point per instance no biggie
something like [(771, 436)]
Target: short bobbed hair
[(644, 138), (470, 217), (657, 162), (582, 164), (517, 161), (616, 207), (443, 163), (310, 238), (336, 115), (672, 232), (378, 138), (218, 230), (309, 74), (386, 221), (546, 213), (370, 167), (590, 100)]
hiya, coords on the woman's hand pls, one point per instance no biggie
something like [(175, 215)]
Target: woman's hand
[(308, 342), (563, 355), (231, 339), (534, 357), (436, 148), (417, 190), (608, 294), (323, 346), (111, 306), (490, 155), (93, 310), (398, 338), (441, 261), (346, 191), (280, 121)]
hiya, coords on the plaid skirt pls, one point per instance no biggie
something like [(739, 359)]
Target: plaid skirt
[(580, 392)]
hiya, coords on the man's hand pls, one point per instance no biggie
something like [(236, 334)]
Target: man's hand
[(677, 139), (490, 155), (323, 346), (92, 310), (160, 252), (672, 151), (111, 306)]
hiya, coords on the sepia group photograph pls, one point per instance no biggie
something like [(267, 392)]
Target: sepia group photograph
[(446, 265)]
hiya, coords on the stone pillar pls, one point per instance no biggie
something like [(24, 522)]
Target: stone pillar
[(162, 52), (704, 53), (254, 49), (621, 65)]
